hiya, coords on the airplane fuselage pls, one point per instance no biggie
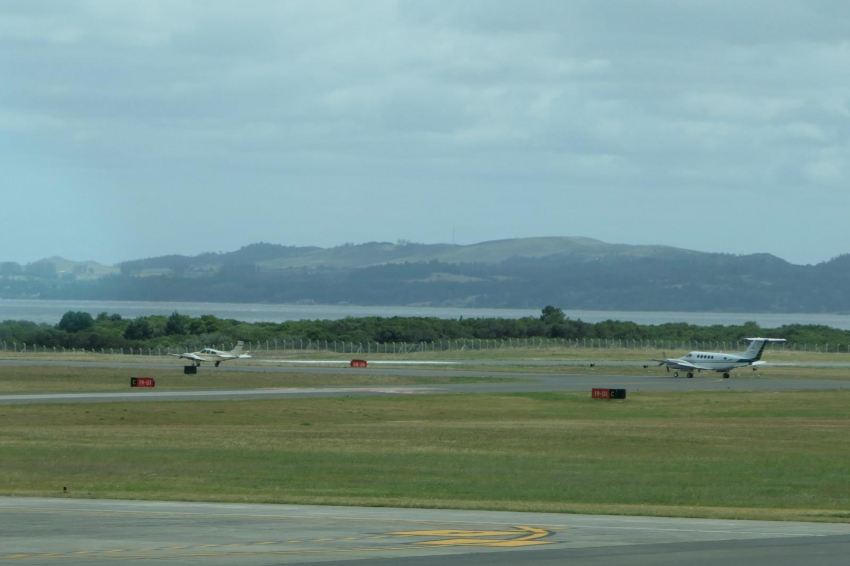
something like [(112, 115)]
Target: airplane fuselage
[(714, 361), (212, 355), (720, 361)]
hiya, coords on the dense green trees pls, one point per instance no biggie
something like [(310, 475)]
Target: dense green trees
[(74, 321), (552, 315), (176, 324), (80, 330), (139, 329)]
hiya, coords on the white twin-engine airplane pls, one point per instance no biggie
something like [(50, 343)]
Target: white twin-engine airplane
[(210, 355), (718, 361)]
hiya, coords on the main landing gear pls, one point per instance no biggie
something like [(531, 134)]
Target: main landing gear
[(690, 375), (726, 375), (218, 362)]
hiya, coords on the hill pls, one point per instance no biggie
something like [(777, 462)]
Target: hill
[(575, 273), (357, 256)]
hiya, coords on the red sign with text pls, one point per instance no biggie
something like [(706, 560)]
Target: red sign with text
[(358, 363), (142, 382), (600, 393)]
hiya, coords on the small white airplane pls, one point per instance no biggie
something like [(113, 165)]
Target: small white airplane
[(211, 355), (719, 361)]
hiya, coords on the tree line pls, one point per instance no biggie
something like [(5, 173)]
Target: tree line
[(81, 330)]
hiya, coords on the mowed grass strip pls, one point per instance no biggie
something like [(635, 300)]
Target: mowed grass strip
[(783, 455), (48, 379)]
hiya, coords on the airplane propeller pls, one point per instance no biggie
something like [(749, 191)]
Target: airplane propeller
[(664, 354)]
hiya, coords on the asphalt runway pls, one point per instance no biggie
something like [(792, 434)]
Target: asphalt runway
[(41, 531), (519, 382)]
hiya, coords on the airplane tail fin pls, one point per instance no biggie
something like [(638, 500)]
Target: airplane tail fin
[(756, 348), (238, 349)]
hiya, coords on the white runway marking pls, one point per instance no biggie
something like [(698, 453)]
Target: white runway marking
[(371, 363)]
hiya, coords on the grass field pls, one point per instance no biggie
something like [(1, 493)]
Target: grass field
[(783, 455), (49, 379)]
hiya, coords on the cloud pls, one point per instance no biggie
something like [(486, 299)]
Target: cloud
[(560, 101)]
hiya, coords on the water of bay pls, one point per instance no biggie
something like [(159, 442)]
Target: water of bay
[(51, 312)]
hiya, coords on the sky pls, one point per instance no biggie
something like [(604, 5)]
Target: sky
[(139, 129)]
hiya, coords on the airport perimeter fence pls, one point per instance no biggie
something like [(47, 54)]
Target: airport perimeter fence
[(271, 347)]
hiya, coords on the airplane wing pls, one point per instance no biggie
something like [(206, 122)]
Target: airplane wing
[(192, 357), (680, 364)]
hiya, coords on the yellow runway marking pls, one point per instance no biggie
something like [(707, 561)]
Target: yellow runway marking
[(528, 536), (440, 538)]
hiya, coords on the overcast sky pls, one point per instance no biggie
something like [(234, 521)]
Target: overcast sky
[(136, 129)]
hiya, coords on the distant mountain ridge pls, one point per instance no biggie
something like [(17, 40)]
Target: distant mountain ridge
[(356, 256), (574, 273)]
